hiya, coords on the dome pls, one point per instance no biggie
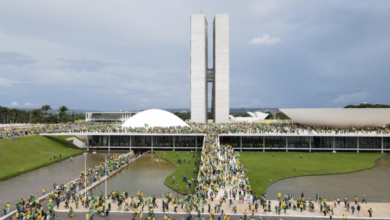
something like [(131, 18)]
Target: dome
[(153, 118)]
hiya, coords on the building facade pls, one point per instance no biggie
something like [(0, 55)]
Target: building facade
[(108, 116), (201, 74), (307, 142)]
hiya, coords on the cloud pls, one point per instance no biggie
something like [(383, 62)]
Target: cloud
[(28, 104), (15, 59), (7, 83), (265, 40), (77, 58), (14, 103), (351, 98), (85, 65)]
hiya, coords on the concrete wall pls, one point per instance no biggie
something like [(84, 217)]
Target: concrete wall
[(221, 68), (198, 68), (77, 142)]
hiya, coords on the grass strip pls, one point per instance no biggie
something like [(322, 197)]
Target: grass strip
[(28, 153), (262, 166), (184, 169)]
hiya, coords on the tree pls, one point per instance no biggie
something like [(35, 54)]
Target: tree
[(282, 116), (63, 109), (15, 113), (240, 114), (36, 114), (279, 115), (368, 105), (270, 115), (4, 112), (183, 115), (46, 108)]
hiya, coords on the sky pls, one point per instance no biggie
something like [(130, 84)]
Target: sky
[(133, 55)]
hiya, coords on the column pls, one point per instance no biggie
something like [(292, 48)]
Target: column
[(263, 143), (333, 143), (130, 143), (240, 143), (382, 145), (357, 144), (196, 143), (109, 142), (310, 138), (88, 142), (286, 144), (151, 138), (174, 140)]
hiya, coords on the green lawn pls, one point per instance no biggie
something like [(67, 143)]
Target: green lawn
[(262, 167), (183, 169), (27, 153)]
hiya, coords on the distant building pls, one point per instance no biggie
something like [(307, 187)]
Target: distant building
[(108, 116), (254, 117), (126, 138)]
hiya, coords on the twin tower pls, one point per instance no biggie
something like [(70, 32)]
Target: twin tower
[(202, 75)]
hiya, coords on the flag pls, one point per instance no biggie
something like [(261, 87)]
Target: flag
[(238, 154)]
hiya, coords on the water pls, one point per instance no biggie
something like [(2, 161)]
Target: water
[(32, 183), (146, 174), (372, 183)]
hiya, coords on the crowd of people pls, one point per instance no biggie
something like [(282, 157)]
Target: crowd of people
[(192, 128), (231, 128), (221, 187), (69, 194), (18, 131)]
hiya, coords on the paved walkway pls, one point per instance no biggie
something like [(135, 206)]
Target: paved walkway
[(120, 216), (214, 156), (379, 209), (103, 178), (44, 199)]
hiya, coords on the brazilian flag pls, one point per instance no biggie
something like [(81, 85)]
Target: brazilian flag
[(238, 154)]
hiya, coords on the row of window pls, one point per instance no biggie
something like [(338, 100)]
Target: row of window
[(245, 142), (158, 141), (305, 142)]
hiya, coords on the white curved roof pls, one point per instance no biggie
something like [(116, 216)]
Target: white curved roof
[(258, 115), (261, 115), (340, 117), (251, 114), (153, 118)]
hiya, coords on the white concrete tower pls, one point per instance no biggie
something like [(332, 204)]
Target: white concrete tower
[(198, 68), (221, 68), (201, 74)]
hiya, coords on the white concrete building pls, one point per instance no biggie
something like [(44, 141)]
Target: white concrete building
[(339, 117), (221, 68), (198, 68), (108, 116), (254, 117), (154, 118), (201, 74)]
